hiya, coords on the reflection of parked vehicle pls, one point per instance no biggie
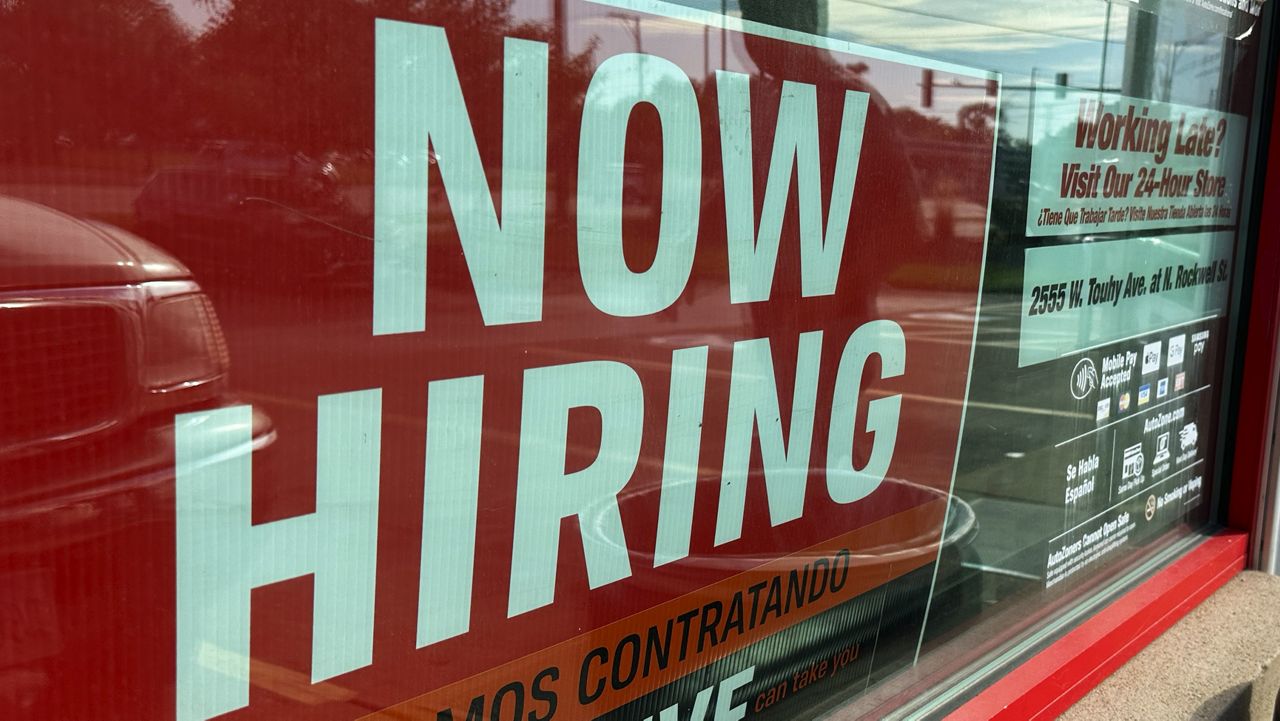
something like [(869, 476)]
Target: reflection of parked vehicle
[(105, 338), (233, 219), (238, 156)]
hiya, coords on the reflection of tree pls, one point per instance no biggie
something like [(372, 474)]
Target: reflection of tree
[(85, 71), (1009, 202), (913, 123), (974, 123), (977, 120), (276, 68), (89, 73)]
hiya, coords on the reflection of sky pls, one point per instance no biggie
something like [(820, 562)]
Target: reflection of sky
[(693, 48), (191, 12), (1010, 37), (1028, 41), (972, 26)]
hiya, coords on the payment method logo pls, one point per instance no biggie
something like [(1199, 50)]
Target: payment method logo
[(1177, 350), (1151, 357)]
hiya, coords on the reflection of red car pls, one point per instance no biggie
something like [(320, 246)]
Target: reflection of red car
[(230, 221), (104, 338)]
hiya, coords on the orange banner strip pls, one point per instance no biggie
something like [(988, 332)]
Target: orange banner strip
[(892, 538)]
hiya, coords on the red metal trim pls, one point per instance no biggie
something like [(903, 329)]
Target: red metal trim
[(1257, 400), (1061, 674)]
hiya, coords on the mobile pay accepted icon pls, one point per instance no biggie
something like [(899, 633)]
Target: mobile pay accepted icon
[(1084, 378)]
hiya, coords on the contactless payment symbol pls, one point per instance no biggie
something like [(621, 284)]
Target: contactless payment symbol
[(1084, 378)]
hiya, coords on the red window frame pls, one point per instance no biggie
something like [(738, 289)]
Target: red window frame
[(1062, 673)]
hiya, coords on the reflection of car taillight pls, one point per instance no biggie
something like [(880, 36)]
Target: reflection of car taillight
[(183, 344)]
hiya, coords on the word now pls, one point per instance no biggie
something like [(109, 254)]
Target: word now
[(419, 100)]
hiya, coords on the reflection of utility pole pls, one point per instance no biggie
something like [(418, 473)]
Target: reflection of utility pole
[(1031, 104), (989, 86), (1106, 39), (1139, 53), (558, 20), (560, 32), (1171, 68), (724, 13), (1060, 89), (706, 51), (633, 27)]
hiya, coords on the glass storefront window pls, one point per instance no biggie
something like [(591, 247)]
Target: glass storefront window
[(618, 359)]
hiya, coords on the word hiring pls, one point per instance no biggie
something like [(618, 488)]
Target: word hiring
[(222, 555), (419, 100)]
